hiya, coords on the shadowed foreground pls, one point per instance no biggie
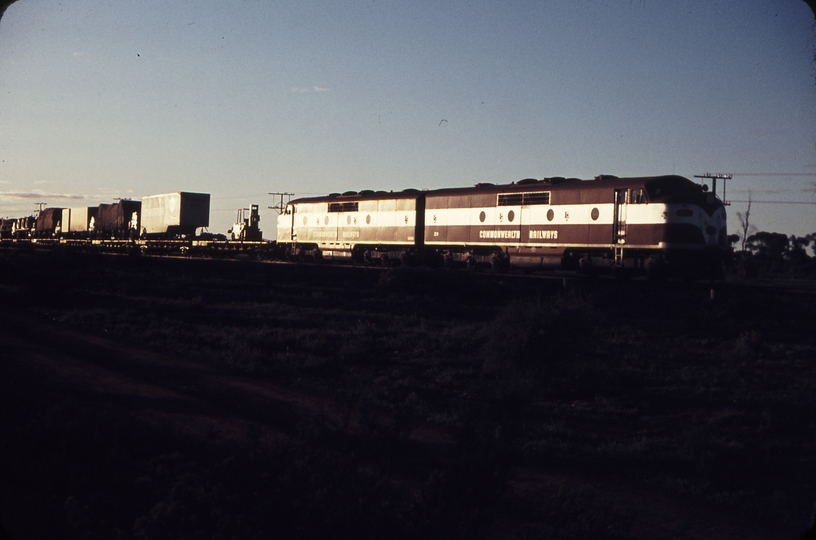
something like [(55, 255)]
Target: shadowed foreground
[(176, 399)]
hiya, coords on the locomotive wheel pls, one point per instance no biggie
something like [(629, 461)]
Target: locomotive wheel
[(586, 267), (498, 262)]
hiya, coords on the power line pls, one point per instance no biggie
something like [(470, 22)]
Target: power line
[(774, 174), (774, 202)]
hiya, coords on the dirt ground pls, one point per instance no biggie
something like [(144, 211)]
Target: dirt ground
[(50, 374)]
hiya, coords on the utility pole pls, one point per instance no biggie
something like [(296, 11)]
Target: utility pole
[(281, 205), (714, 178), (40, 206)]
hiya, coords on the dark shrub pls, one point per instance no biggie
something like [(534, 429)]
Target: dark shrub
[(534, 333)]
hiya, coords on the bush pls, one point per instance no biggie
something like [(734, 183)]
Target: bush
[(537, 334)]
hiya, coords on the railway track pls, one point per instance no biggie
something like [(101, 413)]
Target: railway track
[(265, 253)]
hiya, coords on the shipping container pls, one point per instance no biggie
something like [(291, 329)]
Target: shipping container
[(78, 221), (175, 214), (49, 221), (120, 219), (6, 227)]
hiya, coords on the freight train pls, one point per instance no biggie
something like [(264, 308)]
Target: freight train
[(170, 215), (659, 225), (662, 225)]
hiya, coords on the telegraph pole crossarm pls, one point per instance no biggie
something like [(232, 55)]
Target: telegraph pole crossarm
[(714, 178), (281, 205)]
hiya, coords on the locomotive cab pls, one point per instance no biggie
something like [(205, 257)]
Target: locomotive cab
[(695, 234), (693, 217), (285, 232)]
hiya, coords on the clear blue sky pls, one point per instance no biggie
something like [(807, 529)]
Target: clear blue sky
[(101, 100)]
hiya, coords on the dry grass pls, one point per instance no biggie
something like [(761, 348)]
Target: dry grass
[(658, 388)]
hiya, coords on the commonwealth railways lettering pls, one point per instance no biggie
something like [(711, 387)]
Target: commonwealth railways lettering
[(543, 235), (500, 234)]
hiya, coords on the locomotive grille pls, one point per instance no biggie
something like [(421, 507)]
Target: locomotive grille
[(524, 199), (344, 207)]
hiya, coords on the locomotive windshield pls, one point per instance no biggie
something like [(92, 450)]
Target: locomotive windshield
[(676, 189), (667, 187)]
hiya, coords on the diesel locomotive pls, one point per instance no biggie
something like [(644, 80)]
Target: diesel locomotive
[(660, 225)]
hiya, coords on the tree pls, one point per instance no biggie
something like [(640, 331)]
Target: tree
[(745, 222), (733, 239), (797, 252), (770, 249)]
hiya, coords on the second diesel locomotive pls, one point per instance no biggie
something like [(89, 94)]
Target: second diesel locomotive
[(659, 225)]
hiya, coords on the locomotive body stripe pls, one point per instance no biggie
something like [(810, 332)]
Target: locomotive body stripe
[(561, 215)]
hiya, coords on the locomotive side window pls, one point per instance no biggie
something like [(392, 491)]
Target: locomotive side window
[(510, 199), (523, 199), (542, 197), (637, 196), (344, 207)]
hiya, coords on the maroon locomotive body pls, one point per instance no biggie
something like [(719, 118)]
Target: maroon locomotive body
[(644, 223), (559, 222)]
